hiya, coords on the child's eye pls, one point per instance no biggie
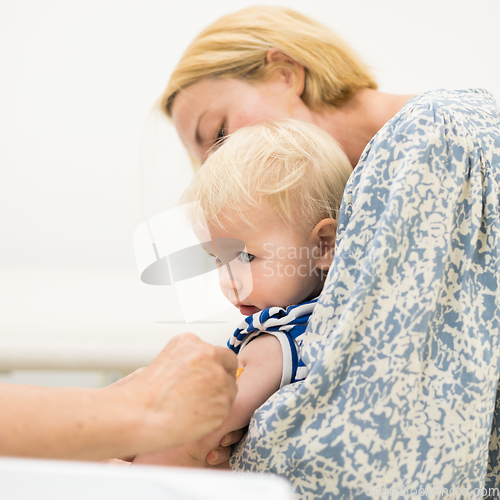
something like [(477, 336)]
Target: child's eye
[(246, 257)]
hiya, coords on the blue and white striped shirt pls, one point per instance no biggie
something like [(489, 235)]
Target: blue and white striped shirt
[(288, 326)]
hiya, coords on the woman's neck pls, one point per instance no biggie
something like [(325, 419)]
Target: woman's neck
[(357, 121)]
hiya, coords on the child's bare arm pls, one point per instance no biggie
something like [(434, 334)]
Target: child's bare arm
[(262, 360)]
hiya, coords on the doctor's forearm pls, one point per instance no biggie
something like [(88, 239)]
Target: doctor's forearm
[(64, 423)]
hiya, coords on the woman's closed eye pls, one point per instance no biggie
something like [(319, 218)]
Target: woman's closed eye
[(221, 136)]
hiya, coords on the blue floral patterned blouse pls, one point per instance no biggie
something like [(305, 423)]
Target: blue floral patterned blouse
[(404, 345)]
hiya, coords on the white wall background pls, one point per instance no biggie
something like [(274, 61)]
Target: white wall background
[(79, 146), (78, 79)]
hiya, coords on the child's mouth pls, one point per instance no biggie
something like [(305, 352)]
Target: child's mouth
[(247, 310)]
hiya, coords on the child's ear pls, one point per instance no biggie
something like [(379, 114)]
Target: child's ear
[(324, 234)]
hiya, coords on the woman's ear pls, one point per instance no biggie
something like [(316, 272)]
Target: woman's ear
[(324, 234), (292, 71)]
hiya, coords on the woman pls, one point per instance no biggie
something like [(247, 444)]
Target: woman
[(404, 345), (275, 64), (137, 414)]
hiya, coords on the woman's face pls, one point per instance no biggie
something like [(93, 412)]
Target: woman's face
[(211, 109)]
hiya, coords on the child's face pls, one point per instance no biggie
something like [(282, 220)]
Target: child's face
[(284, 263)]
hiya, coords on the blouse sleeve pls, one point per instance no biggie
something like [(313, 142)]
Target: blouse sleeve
[(403, 346)]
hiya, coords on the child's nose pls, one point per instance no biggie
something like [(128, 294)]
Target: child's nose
[(228, 281)]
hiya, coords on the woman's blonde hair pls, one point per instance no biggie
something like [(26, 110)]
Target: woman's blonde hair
[(292, 168), (236, 46)]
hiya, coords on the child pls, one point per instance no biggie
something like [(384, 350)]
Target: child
[(276, 188)]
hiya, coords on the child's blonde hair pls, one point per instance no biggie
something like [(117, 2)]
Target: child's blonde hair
[(236, 46), (295, 169)]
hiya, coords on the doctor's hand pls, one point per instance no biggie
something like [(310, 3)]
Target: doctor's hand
[(220, 455), (185, 393)]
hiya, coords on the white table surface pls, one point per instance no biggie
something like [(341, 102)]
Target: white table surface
[(91, 319), (22, 479)]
